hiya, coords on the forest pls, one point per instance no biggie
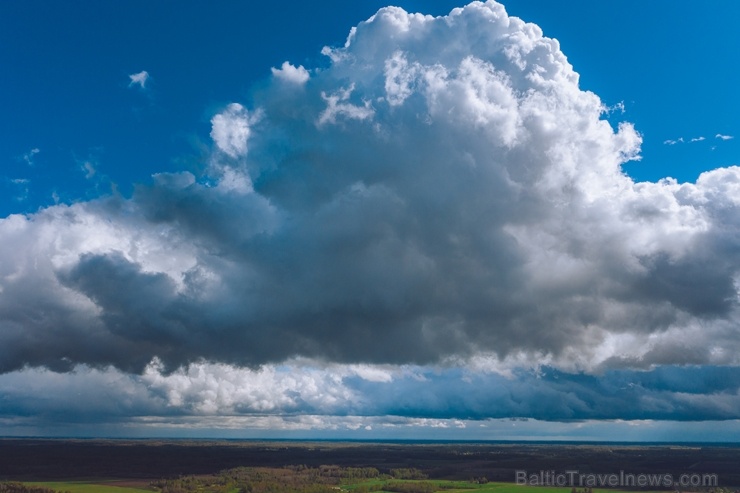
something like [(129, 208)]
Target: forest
[(301, 479)]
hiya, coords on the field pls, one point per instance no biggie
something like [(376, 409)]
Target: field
[(472, 487), (375, 485), (192, 466), (88, 486)]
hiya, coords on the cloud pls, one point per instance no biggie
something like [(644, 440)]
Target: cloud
[(442, 193), (231, 129), (337, 105), (22, 187), (696, 139), (139, 79), (290, 73), (439, 397), (30, 155), (89, 169), (681, 140), (615, 107)]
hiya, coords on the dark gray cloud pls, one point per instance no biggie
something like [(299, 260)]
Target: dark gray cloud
[(442, 190)]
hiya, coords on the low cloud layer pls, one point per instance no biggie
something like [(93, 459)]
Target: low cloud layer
[(399, 395), (443, 192)]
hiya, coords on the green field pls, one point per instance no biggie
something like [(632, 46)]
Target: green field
[(301, 479), (444, 486), (86, 487), (372, 485)]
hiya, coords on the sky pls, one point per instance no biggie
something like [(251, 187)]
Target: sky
[(434, 220)]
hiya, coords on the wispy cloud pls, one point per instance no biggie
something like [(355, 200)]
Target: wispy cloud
[(681, 140), (22, 186), (89, 169), (673, 142), (618, 107), (724, 137), (28, 157), (139, 79)]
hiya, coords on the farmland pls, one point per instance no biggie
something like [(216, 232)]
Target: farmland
[(325, 479), (179, 466)]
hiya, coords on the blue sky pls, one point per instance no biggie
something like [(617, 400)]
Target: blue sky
[(232, 231)]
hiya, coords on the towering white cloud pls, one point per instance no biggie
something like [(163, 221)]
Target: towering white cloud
[(442, 192)]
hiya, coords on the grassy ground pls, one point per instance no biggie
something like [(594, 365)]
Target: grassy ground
[(470, 487), (443, 485), (87, 487)]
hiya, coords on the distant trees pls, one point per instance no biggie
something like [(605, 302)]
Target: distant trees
[(295, 479), (360, 473), (408, 473), (300, 479), (289, 479), (13, 487)]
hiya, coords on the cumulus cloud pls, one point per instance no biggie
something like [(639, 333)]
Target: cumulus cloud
[(337, 104), (139, 79), (290, 73), (724, 137), (442, 192), (231, 129)]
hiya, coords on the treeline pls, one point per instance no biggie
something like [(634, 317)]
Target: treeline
[(350, 473), (408, 473), (22, 488), (296, 479)]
